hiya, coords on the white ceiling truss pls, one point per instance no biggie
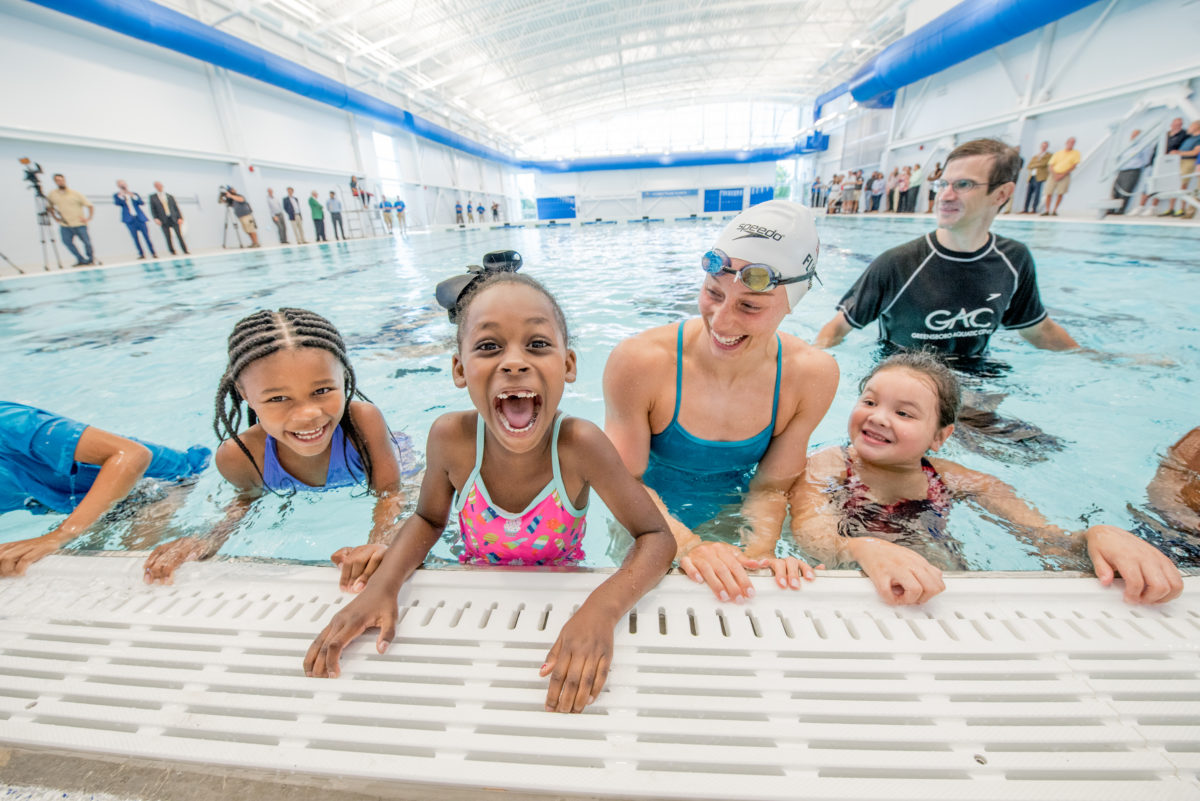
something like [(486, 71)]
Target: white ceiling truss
[(505, 72)]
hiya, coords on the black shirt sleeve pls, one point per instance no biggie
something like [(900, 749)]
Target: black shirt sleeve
[(1025, 308), (878, 285)]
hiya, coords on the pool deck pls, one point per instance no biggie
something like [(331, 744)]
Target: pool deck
[(1004, 687)]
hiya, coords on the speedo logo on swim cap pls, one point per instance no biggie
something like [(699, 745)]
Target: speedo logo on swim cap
[(758, 232)]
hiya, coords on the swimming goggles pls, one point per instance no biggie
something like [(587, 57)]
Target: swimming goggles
[(755, 277)]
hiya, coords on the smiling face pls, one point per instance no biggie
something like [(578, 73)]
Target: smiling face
[(735, 317), (967, 209), (299, 396), (895, 420), (514, 361)]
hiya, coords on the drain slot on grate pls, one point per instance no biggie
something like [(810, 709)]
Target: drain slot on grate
[(532, 759), (733, 769)]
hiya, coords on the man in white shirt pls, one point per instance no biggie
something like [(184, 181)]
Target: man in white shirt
[(276, 212)]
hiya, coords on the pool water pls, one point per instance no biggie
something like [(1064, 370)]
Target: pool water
[(139, 350)]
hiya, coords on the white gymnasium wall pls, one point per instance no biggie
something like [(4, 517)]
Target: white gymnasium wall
[(1079, 77), (97, 106)]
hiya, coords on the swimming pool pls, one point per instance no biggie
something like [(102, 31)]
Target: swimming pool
[(139, 350)]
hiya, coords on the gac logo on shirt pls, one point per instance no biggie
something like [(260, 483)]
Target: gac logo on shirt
[(945, 320)]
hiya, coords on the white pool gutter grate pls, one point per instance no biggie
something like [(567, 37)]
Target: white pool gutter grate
[(1001, 688)]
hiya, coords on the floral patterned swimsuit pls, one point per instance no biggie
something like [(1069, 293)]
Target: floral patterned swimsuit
[(548, 532)]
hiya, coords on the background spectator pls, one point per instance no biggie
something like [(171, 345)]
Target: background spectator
[(73, 211), (167, 217), (1039, 172), (242, 210), (134, 218), (318, 216), (1187, 150), (1129, 173), (291, 207), (335, 215), (277, 214), (1062, 164)]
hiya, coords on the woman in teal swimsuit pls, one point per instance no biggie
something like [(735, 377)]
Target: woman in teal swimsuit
[(719, 409)]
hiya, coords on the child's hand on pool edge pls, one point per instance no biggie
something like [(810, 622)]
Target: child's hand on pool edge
[(15, 557), (358, 563), (166, 558), (375, 607), (901, 576), (788, 570), (1150, 577), (579, 660)]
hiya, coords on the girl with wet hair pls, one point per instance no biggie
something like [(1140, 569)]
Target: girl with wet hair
[(310, 429), (518, 476), (882, 503)]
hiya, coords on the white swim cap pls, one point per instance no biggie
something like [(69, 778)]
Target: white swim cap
[(780, 234)]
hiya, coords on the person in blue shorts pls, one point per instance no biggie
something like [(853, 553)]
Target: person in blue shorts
[(52, 464), (715, 413)]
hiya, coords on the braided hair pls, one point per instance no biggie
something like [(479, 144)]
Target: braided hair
[(262, 334)]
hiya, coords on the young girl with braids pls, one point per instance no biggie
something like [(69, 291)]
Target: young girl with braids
[(513, 451), (872, 501), (307, 433)]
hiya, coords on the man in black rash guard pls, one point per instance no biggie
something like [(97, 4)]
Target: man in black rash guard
[(950, 290)]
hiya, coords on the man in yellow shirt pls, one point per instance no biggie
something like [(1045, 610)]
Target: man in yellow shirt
[(1062, 164), (68, 207)]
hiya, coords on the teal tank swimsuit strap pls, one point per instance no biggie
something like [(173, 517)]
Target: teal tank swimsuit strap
[(695, 476)]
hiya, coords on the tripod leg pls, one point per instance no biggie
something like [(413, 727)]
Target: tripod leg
[(10, 263)]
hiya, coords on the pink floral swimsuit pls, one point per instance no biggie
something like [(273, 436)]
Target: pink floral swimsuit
[(548, 532)]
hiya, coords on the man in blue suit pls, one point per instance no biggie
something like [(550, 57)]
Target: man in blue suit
[(133, 217)]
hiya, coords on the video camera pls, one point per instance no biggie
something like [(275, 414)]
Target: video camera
[(31, 175), (223, 194), (451, 291)]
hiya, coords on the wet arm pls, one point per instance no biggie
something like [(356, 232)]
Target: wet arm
[(814, 517), (385, 472), (1175, 489), (122, 463), (1150, 577), (235, 468), (579, 660), (359, 563), (376, 606), (1048, 335), (834, 331), (766, 504)]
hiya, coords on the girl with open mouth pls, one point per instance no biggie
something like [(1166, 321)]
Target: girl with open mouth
[(518, 475)]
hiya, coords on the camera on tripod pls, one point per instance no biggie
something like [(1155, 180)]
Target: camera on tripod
[(223, 196), (449, 293), (32, 171)]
